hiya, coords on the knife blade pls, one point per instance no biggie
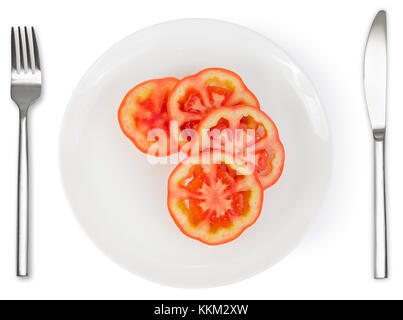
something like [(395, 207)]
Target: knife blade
[(375, 84), (375, 73)]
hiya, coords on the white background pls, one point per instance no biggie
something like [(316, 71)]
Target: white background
[(326, 38)]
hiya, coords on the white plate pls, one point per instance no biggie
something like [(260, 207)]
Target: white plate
[(120, 198)]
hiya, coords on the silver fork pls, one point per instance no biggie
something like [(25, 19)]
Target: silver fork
[(26, 83)]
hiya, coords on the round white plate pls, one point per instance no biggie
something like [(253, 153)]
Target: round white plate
[(119, 197)]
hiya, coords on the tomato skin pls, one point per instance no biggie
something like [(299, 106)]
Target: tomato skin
[(270, 154), (254, 208), (195, 96), (144, 108)]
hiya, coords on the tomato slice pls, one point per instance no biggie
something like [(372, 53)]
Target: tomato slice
[(143, 116), (214, 201), (195, 96), (266, 148)]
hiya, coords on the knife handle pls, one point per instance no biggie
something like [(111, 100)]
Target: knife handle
[(381, 250)]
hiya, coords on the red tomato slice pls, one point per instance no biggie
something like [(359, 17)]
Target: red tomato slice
[(266, 148), (143, 116), (195, 96), (213, 201)]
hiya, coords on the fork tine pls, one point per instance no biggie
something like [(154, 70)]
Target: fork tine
[(28, 49), (36, 51), (13, 51), (22, 63)]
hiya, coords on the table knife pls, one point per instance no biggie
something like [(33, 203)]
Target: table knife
[(375, 84)]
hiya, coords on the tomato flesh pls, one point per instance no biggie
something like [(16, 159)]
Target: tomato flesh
[(268, 151), (143, 110), (195, 96), (213, 203)]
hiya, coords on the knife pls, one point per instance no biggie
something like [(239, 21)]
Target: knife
[(375, 84)]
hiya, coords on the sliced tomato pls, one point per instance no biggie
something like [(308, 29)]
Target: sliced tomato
[(265, 146), (214, 201), (195, 96), (143, 116)]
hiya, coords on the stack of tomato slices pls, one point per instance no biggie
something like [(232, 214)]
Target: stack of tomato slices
[(233, 149)]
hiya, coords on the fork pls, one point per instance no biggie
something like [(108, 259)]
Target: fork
[(26, 84)]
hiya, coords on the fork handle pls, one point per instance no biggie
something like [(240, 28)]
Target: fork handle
[(23, 198), (381, 255)]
